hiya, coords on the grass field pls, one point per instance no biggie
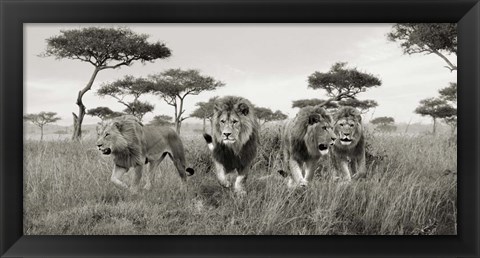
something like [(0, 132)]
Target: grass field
[(410, 189)]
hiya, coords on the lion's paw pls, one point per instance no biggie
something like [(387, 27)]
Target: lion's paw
[(225, 183), (240, 192)]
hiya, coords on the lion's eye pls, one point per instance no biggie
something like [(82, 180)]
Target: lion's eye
[(107, 134), (341, 124), (324, 127), (352, 125), (234, 121), (222, 121)]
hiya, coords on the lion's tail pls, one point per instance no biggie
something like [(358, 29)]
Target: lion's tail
[(209, 140), (190, 171)]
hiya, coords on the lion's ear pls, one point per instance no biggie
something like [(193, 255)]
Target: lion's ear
[(313, 119), (243, 108), (357, 115), (118, 125)]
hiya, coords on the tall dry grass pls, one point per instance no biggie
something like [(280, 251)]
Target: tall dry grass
[(410, 189)]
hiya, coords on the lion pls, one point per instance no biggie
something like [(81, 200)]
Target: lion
[(235, 140), (133, 145), (348, 152), (305, 140)]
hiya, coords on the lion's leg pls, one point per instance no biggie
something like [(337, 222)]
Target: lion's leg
[(117, 174), (310, 170), (239, 186), (345, 171), (359, 167), (137, 176), (296, 173), (220, 173), (151, 173)]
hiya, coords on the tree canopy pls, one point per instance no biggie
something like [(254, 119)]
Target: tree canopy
[(105, 47), (174, 85), (138, 108), (449, 93), (383, 120), (103, 113), (301, 103), (428, 38), (363, 105), (161, 120)]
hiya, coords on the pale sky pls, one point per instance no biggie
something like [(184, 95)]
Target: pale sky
[(266, 63)]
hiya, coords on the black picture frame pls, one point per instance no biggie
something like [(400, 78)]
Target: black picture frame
[(15, 13)]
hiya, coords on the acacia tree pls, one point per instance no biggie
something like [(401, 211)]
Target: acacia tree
[(384, 123), (341, 82), (129, 86), (41, 119), (161, 120), (104, 48), (435, 108), (428, 38), (103, 113), (267, 115), (205, 111), (174, 85)]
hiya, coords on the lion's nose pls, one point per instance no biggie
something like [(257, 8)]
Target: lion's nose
[(227, 134)]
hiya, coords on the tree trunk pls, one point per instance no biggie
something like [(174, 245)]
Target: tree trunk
[(178, 126), (41, 133), (408, 125), (434, 125), (78, 120), (204, 124), (178, 116)]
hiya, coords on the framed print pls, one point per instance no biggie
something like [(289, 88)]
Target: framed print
[(233, 128)]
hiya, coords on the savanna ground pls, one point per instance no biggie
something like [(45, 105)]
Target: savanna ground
[(410, 189)]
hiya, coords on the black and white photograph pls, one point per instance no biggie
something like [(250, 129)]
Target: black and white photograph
[(240, 129)]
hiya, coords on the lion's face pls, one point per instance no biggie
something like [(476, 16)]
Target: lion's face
[(348, 130), (320, 135), (229, 126), (109, 138)]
